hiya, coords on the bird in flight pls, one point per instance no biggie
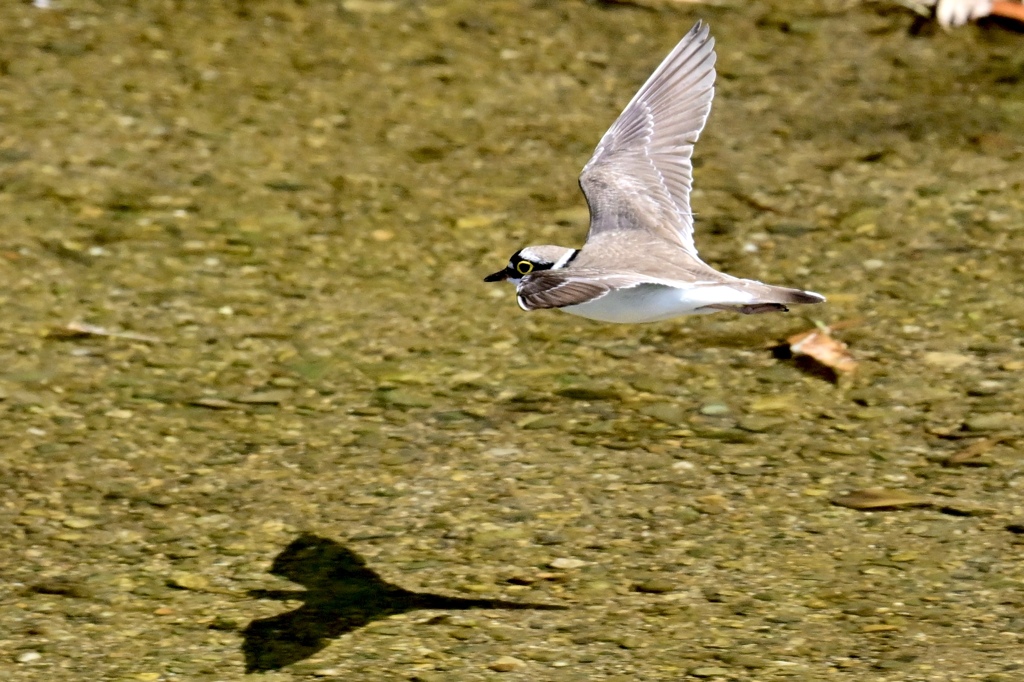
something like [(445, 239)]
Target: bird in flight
[(639, 262)]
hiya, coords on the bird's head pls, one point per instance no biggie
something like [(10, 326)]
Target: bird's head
[(532, 259)]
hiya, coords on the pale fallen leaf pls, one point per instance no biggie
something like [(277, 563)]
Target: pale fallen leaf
[(819, 345), (74, 330), (877, 499), (881, 498)]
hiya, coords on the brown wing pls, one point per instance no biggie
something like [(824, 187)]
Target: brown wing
[(560, 288), (640, 174)]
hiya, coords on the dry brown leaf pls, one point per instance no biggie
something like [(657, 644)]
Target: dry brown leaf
[(881, 498), (1010, 10), (820, 346)]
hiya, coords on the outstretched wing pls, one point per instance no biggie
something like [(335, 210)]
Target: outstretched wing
[(640, 174)]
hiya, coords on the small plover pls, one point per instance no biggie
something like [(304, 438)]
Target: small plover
[(639, 263)]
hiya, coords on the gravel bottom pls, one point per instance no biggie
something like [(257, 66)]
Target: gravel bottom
[(305, 440)]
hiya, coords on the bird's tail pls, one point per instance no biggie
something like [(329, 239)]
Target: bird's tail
[(771, 299)]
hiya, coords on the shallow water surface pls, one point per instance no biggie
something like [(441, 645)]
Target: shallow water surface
[(336, 452)]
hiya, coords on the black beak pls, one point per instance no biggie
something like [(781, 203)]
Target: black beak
[(499, 276)]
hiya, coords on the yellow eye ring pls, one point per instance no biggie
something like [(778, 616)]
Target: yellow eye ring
[(524, 267)]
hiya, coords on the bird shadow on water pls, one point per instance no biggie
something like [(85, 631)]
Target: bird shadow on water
[(341, 595)]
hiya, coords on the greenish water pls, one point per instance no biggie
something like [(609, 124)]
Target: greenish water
[(298, 201)]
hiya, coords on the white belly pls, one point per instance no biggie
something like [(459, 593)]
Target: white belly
[(654, 302)]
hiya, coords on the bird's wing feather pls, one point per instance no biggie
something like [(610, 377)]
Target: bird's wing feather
[(640, 174), (560, 288)]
